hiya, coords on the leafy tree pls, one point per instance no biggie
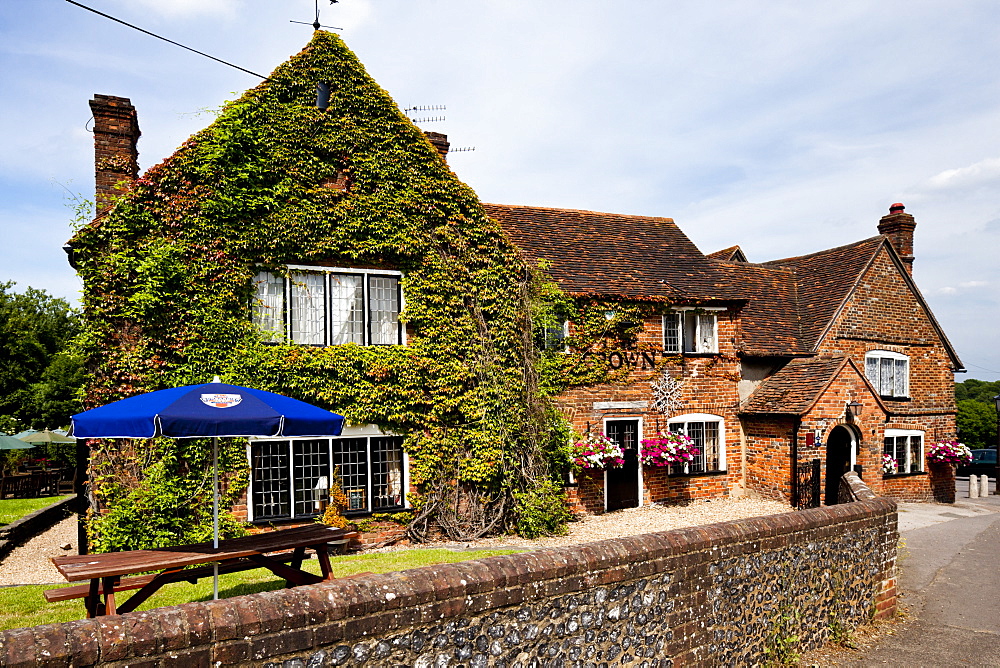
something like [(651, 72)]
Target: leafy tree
[(39, 379), (977, 424), (977, 390)]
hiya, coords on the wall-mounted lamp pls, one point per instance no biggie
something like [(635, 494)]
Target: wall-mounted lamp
[(322, 95), (854, 410), (609, 315)]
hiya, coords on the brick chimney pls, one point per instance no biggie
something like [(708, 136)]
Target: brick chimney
[(898, 227), (116, 133), (440, 142)]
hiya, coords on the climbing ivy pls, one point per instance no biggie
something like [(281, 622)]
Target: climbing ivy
[(168, 294)]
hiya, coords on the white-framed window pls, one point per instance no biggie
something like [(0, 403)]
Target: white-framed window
[(288, 477), (691, 331), (906, 446), (709, 435), (321, 307), (889, 372)]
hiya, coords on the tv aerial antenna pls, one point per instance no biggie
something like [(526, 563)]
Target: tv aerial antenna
[(424, 108), (316, 24)]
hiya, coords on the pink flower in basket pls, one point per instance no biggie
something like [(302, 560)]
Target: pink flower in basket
[(596, 452), (667, 449)]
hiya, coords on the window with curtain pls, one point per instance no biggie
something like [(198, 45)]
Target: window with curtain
[(308, 308), (889, 372), (269, 304), (690, 332), (384, 309), (329, 307)]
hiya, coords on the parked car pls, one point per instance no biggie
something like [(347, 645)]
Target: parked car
[(983, 461)]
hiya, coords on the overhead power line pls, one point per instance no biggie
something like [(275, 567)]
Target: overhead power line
[(200, 53)]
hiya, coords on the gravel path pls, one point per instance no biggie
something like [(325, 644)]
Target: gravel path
[(29, 564), (632, 522)]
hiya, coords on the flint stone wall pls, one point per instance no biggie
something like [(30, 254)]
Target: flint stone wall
[(718, 594)]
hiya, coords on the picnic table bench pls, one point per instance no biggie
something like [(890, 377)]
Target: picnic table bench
[(281, 552)]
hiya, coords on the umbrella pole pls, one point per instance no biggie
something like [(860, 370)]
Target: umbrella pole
[(215, 514)]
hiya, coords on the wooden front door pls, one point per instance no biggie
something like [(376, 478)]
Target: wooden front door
[(622, 484)]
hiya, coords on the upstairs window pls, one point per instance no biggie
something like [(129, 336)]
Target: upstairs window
[(329, 307), (552, 336), (889, 372), (690, 332)]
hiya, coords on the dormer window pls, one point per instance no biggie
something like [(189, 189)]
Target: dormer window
[(321, 307), (690, 331), (889, 372)]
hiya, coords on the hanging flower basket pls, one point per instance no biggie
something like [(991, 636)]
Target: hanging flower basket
[(667, 449), (889, 465), (949, 452), (596, 451)]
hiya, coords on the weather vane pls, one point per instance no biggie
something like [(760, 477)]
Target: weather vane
[(316, 24)]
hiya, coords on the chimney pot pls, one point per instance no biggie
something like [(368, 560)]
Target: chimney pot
[(897, 208)]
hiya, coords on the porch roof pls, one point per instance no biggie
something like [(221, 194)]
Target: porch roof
[(795, 389)]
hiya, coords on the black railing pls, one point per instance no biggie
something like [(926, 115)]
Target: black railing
[(807, 489)]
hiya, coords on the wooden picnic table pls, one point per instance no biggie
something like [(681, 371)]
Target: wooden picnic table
[(170, 564)]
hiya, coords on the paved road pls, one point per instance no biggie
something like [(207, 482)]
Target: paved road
[(950, 573)]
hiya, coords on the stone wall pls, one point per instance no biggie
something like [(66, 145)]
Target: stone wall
[(726, 593)]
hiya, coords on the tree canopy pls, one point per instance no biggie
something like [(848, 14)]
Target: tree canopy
[(40, 378), (977, 415)]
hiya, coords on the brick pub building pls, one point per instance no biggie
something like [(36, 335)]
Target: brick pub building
[(818, 364)]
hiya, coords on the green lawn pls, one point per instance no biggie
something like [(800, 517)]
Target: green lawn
[(15, 509), (25, 605)]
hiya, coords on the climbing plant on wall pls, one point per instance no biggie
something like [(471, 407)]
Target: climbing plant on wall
[(168, 277)]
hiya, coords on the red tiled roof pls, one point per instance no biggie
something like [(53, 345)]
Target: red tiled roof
[(770, 323), (614, 255), (795, 388)]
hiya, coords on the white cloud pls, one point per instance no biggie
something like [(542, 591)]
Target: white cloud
[(984, 172)]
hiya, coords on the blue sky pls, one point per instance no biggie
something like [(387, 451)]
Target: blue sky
[(784, 127)]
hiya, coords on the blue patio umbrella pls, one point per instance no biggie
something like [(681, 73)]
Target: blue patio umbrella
[(212, 410)]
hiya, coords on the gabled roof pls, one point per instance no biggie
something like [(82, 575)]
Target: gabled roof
[(796, 388), (614, 255), (824, 281)]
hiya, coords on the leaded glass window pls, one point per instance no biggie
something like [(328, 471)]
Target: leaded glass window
[(384, 309), (308, 308), (706, 435)]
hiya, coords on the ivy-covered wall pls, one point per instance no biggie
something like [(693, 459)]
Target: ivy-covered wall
[(168, 289)]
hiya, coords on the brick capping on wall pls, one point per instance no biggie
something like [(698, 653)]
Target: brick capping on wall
[(695, 596)]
